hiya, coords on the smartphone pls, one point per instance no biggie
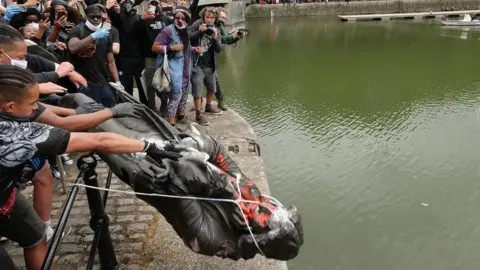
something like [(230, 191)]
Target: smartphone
[(152, 9), (60, 15)]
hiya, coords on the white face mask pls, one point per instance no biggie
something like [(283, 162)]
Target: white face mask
[(18, 63), (35, 26), (92, 27), (180, 24)]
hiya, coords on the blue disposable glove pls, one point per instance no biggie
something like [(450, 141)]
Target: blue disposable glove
[(117, 85), (100, 33), (12, 11)]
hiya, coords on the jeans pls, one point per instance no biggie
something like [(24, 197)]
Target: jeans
[(219, 92), (150, 90), (100, 94), (130, 69)]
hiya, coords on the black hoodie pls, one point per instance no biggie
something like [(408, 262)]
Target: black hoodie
[(147, 30)]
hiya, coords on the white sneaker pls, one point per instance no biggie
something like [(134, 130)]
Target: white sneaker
[(66, 159), (3, 239)]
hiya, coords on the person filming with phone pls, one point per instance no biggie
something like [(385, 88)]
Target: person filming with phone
[(62, 19)]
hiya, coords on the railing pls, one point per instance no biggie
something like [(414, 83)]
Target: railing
[(99, 221)]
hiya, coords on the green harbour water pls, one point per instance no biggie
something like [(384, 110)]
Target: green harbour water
[(372, 130)]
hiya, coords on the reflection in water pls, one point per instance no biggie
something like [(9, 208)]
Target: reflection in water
[(360, 123)]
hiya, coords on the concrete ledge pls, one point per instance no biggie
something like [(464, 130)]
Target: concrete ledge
[(359, 7)]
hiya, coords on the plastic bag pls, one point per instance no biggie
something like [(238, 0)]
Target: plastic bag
[(161, 78)]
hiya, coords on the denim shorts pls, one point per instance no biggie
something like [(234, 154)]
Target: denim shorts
[(23, 226), (201, 76)]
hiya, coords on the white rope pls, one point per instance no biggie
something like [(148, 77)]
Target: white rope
[(237, 201)]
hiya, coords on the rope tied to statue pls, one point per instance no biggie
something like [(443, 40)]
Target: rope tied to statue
[(274, 202)]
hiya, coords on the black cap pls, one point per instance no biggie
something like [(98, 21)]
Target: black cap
[(102, 7), (93, 9), (59, 2)]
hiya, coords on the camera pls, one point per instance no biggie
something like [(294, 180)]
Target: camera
[(241, 32), (209, 30)]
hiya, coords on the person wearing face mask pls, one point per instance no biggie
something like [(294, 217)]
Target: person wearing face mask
[(91, 46), (114, 34), (129, 61), (32, 18), (175, 42), (146, 30), (13, 51), (63, 19)]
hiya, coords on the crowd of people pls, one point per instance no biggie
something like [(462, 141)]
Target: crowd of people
[(51, 48)]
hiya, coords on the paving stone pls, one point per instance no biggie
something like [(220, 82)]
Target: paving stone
[(129, 247), (137, 227), (72, 239), (137, 236), (122, 209), (125, 218), (70, 248), (146, 209), (70, 259), (145, 217), (125, 202), (128, 257), (131, 267)]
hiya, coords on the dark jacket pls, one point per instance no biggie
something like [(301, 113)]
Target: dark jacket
[(44, 69), (227, 39), (129, 42), (195, 38), (146, 32)]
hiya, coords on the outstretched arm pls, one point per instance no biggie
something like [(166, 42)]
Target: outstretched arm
[(75, 122)]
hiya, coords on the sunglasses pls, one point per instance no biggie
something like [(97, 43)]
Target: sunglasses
[(95, 17)]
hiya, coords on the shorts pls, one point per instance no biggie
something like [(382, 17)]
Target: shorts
[(24, 226), (200, 76), (33, 166)]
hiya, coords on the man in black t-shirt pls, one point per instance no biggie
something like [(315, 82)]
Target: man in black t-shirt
[(91, 47), (22, 140)]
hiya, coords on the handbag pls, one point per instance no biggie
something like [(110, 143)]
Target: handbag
[(161, 79)]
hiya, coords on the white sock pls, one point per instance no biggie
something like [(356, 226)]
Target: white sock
[(49, 232)]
